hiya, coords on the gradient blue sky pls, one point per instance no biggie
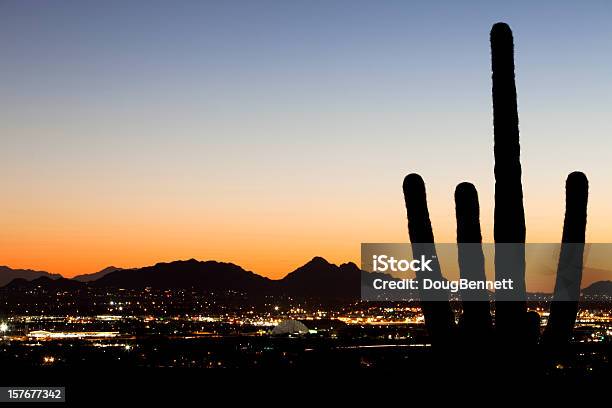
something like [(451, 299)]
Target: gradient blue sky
[(268, 132)]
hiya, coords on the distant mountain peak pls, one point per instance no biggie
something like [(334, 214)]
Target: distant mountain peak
[(599, 288), (7, 274), (350, 265), (193, 263), (89, 277), (318, 260), (45, 282), (191, 273), (318, 278)]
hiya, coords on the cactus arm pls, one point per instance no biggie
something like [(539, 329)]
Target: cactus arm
[(509, 217), (439, 317), (476, 310), (564, 307)]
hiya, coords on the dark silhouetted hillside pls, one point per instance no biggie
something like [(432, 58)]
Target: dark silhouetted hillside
[(316, 279), (45, 283), (89, 277), (600, 288), (319, 278), (191, 274), (8, 274)]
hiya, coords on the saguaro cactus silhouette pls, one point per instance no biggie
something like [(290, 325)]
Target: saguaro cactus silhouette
[(512, 322), (564, 308), (438, 314), (476, 311), (509, 218)]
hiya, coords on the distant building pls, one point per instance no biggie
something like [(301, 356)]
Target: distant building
[(289, 327)]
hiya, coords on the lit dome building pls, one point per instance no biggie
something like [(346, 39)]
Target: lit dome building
[(289, 326)]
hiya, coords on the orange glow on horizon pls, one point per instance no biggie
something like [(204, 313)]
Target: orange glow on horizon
[(272, 252)]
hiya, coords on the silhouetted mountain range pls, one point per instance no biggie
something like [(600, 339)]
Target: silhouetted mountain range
[(45, 282), (600, 288), (89, 277), (317, 278), (8, 274), (322, 279), (201, 275)]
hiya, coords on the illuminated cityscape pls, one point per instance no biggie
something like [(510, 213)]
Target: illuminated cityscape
[(184, 328)]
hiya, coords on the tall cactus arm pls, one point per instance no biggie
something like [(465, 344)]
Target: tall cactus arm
[(439, 317), (476, 310), (564, 308), (509, 217)]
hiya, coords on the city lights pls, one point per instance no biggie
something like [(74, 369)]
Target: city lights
[(182, 328)]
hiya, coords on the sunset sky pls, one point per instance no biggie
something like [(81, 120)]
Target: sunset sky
[(267, 132)]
